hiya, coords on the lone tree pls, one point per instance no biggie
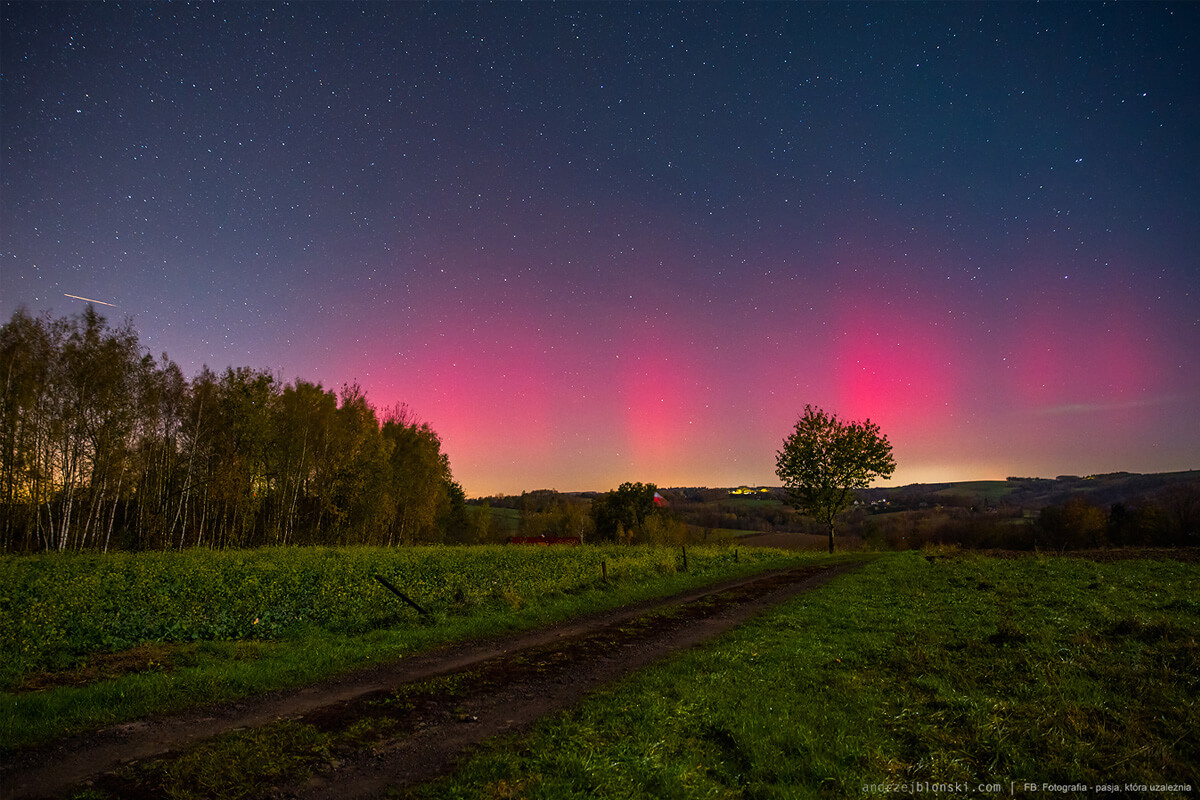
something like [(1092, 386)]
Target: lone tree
[(825, 459)]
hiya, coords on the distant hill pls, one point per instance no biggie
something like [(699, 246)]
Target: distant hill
[(1101, 490), (1031, 493), (1160, 509)]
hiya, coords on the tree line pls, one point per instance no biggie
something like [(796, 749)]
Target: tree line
[(104, 447), (629, 514)]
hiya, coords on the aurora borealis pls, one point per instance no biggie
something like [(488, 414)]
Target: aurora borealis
[(591, 243)]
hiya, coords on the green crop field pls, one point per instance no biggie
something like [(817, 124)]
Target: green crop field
[(89, 639)]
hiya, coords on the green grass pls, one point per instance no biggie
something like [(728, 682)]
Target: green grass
[(223, 625), (991, 491), (914, 670), (962, 670), (509, 518), (238, 766)]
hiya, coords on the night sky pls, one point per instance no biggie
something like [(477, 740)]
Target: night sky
[(592, 243)]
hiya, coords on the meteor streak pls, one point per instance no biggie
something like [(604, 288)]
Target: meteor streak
[(88, 299)]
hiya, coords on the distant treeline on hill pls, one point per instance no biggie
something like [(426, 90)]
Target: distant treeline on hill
[(102, 447), (1068, 512), (1033, 493)]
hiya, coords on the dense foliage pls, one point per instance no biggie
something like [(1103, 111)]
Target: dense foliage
[(825, 459), (636, 512), (103, 447)]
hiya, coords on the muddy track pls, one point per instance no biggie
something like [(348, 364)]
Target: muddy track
[(438, 705)]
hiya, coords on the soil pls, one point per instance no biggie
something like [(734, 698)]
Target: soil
[(426, 711)]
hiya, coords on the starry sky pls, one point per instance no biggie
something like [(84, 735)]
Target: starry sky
[(591, 243)]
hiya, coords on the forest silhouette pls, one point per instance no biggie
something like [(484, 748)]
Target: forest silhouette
[(104, 447)]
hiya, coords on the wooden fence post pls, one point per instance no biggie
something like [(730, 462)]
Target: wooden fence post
[(403, 596)]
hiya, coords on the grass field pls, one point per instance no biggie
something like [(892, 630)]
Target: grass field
[(979, 674), (89, 640), (509, 519), (976, 674), (991, 491)]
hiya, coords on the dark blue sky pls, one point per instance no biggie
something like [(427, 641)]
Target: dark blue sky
[(601, 242)]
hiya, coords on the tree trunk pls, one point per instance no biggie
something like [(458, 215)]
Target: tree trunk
[(112, 518), (831, 537)]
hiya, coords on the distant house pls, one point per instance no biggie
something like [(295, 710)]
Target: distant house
[(748, 490)]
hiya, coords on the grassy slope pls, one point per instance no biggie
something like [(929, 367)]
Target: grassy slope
[(509, 518), (963, 670), (991, 491)]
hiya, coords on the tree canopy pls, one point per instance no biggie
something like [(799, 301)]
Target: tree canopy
[(825, 459), (622, 512), (103, 447), (630, 514)]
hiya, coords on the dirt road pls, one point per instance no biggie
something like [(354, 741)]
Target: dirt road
[(498, 686)]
